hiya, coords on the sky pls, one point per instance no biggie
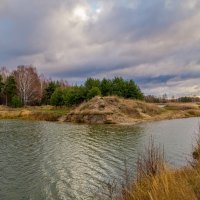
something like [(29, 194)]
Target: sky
[(154, 42)]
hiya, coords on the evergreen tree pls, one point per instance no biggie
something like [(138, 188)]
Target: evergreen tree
[(119, 86), (48, 91), (1, 84), (1, 89), (95, 91), (106, 87), (91, 82), (9, 89), (57, 97), (132, 91), (16, 102), (74, 95)]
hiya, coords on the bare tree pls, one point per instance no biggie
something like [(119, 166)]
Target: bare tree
[(28, 84), (4, 73)]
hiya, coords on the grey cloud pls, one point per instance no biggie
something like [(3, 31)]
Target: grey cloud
[(154, 42), (147, 18)]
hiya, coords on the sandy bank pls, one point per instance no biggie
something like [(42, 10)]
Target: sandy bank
[(115, 110), (105, 110)]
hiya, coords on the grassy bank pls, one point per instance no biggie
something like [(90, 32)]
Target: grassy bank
[(115, 110), (45, 113), (157, 181), (105, 110)]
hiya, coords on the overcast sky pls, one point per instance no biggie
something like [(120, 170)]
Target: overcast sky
[(154, 42)]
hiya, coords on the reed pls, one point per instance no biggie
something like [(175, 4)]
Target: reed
[(157, 181)]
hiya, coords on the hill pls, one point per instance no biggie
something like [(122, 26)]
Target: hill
[(113, 110)]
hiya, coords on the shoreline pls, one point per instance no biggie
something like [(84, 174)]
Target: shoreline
[(37, 113), (55, 114), (115, 110)]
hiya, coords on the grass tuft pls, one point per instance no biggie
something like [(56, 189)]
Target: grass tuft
[(157, 181)]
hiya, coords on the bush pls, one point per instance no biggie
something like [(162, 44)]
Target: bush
[(95, 91), (91, 82), (106, 87), (16, 102), (74, 95), (48, 91), (57, 97)]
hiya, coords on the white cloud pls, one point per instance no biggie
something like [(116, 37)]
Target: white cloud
[(135, 39)]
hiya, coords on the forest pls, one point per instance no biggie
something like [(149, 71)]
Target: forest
[(24, 86)]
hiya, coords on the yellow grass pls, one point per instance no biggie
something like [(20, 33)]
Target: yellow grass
[(166, 183), (105, 110), (182, 106), (114, 110), (46, 113)]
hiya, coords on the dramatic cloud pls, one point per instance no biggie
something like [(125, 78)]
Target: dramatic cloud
[(156, 43)]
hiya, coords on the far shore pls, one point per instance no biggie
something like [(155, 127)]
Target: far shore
[(105, 110), (38, 113)]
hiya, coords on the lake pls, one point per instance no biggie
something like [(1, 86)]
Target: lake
[(43, 160)]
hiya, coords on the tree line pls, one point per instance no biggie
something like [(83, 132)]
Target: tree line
[(24, 86), (92, 87), (165, 99)]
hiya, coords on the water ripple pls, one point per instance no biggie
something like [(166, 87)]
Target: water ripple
[(41, 160)]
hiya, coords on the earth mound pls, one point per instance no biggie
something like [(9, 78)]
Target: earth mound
[(112, 110)]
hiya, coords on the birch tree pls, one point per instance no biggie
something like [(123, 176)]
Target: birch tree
[(28, 84)]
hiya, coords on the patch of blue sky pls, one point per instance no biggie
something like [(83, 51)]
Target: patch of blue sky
[(6, 25), (94, 4)]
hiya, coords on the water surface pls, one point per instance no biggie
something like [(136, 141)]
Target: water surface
[(42, 160)]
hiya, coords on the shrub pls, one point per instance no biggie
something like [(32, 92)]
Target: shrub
[(16, 102), (57, 97), (91, 82), (106, 87), (95, 91), (48, 91), (74, 95)]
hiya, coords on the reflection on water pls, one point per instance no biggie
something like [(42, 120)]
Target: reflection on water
[(41, 160)]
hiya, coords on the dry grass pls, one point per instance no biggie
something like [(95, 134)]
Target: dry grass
[(168, 185), (45, 113), (196, 151), (194, 112), (156, 181), (114, 110), (151, 163), (105, 110), (182, 106)]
